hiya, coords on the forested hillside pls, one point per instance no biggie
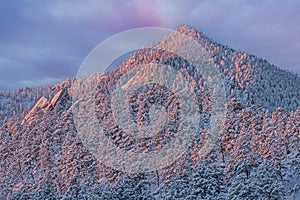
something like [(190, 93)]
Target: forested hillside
[(257, 155)]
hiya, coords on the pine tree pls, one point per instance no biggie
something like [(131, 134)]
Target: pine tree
[(178, 188), (269, 182), (241, 187), (208, 181), (135, 186)]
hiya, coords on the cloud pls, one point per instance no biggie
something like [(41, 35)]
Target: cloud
[(51, 38)]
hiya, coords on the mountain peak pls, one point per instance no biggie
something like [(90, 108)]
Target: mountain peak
[(189, 30), (185, 26)]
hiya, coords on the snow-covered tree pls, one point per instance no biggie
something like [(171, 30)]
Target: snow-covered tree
[(241, 187), (208, 181), (269, 182)]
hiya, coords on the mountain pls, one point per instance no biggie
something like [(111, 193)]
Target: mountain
[(256, 156)]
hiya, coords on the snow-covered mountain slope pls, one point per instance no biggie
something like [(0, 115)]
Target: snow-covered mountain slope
[(23, 99), (253, 78), (257, 155)]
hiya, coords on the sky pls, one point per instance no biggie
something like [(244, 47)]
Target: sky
[(42, 42)]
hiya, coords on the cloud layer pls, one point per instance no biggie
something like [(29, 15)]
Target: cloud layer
[(45, 41)]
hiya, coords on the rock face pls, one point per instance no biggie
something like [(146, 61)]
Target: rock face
[(59, 98), (45, 159), (57, 102), (40, 105)]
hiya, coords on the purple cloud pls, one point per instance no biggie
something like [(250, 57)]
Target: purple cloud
[(42, 42)]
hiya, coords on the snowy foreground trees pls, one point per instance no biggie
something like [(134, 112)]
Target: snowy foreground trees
[(257, 157)]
